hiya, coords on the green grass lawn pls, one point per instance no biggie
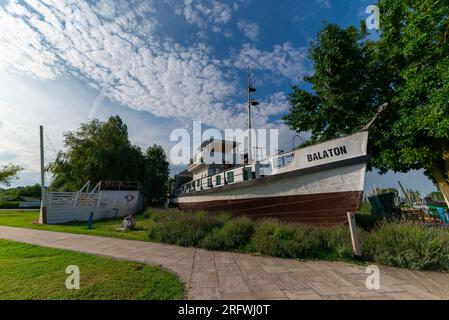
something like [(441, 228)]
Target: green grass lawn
[(106, 228), (33, 272)]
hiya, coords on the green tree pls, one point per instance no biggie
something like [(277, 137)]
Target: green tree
[(408, 67), (156, 173), (8, 173), (14, 194), (97, 151)]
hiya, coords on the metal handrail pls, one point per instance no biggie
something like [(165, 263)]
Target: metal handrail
[(191, 186)]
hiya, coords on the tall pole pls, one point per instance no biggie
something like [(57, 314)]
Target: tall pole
[(405, 194), (249, 117), (43, 212)]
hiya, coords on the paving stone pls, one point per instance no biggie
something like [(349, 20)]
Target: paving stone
[(204, 294), (265, 281), (223, 258), (287, 281), (228, 269), (336, 278), (270, 291), (304, 273), (372, 295), (400, 296), (420, 294), (301, 295), (256, 275), (204, 276), (232, 284), (247, 265), (324, 288), (237, 296), (274, 268)]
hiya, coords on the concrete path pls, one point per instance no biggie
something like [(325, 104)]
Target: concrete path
[(223, 275)]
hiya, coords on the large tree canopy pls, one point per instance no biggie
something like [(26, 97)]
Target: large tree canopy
[(102, 151), (156, 172), (96, 151), (7, 173), (407, 66)]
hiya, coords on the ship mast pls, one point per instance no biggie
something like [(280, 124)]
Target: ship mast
[(251, 103)]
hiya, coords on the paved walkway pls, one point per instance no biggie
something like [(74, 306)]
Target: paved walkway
[(223, 275)]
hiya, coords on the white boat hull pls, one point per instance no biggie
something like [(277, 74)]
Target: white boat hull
[(316, 192)]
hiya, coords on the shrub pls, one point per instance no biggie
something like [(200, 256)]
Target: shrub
[(335, 243), (263, 240), (234, 235), (300, 241), (9, 205), (281, 240), (184, 229), (408, 245)]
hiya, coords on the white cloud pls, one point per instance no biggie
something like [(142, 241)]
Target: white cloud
[(203, 12), (128, 61), (24, 105), (227, 34), (249, 29), (285, 60), (324, 3), (123, 56)]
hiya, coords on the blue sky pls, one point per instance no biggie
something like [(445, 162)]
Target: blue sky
[(159, 64)]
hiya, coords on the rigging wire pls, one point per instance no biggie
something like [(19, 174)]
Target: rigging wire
[(51, 144), (50, 154)]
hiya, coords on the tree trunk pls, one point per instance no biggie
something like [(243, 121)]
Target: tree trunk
[(442, 183)]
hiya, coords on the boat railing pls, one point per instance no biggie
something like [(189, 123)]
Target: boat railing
[(283, 160), (226, 177), (240, 173)]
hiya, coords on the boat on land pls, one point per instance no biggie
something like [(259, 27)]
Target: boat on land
[(317, 184)]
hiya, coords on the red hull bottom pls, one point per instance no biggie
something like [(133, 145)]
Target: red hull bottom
[(317, 209)]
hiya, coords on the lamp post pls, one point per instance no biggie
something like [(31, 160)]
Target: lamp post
[(43, 209), (251, 103)]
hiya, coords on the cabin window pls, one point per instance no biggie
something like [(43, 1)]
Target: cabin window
[(198, 183), (247, 173), (230, 177), (218, 180), (209, 183)]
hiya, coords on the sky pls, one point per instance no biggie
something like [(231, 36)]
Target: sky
[(159, 64)]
